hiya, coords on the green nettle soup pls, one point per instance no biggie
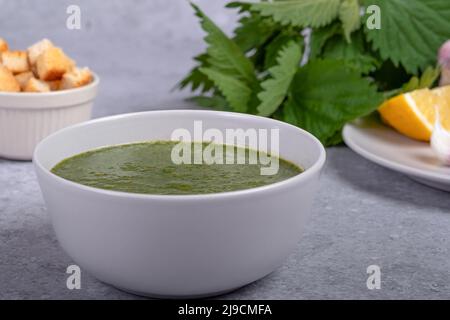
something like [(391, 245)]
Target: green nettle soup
[(148, 168)]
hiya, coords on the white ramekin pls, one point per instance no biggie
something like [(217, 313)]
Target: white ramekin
[(177, 245), (27, 118)]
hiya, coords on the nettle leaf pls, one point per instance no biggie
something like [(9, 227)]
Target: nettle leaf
[(252, 32), (241, 6), (235, 91), (197, 79), (411, 31), (349, 14), (273, 48), (275, 88), (353, 54), (335, 139), (299, 13), (216, 102), (325, 94), (319, 38), (224, 55)]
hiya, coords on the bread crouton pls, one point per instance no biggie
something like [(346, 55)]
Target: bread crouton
[(35, 85), (52, 64), (3, 46), (76, 78), (15, 61), (54, 85), (34, 70), (23, 78), (37, 49), (7, 81)]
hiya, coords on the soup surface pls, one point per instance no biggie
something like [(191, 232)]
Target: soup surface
[(148, 168)]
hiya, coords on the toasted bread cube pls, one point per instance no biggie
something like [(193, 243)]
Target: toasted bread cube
[(76, 78), (37, 49), (34, 70), (15, 61), (23, 78), (54, 85), (52, 64), (7, 81), (35, 85), (3, 45)]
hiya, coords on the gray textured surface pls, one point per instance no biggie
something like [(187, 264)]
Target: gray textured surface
[(363, 215)]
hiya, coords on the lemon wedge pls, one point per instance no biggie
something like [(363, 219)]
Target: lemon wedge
[(413, 114)]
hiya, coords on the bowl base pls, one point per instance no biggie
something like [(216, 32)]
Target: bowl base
[(15, 158), (177, 297)]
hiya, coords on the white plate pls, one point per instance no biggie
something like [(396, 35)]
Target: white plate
[(382, 145)]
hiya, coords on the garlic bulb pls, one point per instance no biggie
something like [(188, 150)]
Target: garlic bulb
[(440, 141), (444, 61)]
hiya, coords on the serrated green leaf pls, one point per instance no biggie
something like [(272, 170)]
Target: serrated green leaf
[(281, 40), (411, 31), (325, 94), (252, 32), (242, 6), (299, 13), (216, 102), (196, 79), (335, 139), (235, 91), (275, 88), (350, 17), (353, 54), (319, 38), (224, 55)]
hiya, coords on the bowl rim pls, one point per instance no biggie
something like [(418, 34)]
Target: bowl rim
[(305, 175), (17, 95)]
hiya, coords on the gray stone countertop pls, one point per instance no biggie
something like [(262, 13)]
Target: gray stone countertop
[(364, 214)]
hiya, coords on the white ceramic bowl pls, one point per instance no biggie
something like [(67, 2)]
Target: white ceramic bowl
[(177, 245), (27, 118)]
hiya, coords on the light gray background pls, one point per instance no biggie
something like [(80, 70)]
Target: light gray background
[(363, 215)]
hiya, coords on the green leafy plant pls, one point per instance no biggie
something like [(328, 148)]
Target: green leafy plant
[(314, 63)]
